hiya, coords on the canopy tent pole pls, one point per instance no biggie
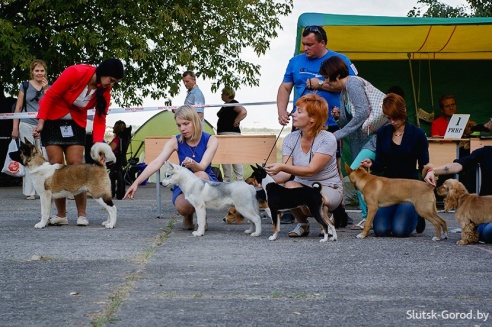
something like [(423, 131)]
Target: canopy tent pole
[(413, 90)]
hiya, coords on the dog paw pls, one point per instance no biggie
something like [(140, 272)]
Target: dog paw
[(249, 231), (104, 223), (332, 239), (197, 233), (272, 238), (360, 236), (255, 234), (109, 226), (462, 242), (40, 225), (445, 236), (435, 238)]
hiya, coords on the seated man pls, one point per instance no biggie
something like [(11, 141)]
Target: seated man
[(447, 104)]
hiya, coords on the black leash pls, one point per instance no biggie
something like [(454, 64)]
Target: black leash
[(275, 144)]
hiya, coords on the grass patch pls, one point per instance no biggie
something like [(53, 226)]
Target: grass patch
[(123, 292)]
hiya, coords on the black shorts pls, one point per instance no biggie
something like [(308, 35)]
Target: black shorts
[(51, 133)]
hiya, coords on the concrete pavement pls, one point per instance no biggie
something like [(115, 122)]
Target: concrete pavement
[(149, 272)]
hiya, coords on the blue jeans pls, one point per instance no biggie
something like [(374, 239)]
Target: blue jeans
[(485, 232), (398, 220)]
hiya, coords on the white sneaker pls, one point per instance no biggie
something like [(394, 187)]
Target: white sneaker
[(55, 220), (82, 221)]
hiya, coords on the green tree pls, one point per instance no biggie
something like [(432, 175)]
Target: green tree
[(435, 8), (157, 40)]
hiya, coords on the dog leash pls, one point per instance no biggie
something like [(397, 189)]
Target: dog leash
[(281, 130)]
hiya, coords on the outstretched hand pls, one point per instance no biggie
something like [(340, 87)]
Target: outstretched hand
[(130, 193)]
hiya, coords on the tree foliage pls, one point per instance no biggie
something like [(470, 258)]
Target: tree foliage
[(435, 8), (157, 40)]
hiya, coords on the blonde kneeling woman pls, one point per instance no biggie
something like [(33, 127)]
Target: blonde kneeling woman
[(308, 156), (195, 149)]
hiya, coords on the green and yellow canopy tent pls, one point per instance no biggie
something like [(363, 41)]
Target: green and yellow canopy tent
[(427, 57)]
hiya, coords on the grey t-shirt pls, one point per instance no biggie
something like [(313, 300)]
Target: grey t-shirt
[(325, 143), (33, 97)]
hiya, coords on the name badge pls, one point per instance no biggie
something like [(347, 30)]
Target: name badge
[(66, 131)]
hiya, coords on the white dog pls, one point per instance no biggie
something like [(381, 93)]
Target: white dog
[(204, 194)]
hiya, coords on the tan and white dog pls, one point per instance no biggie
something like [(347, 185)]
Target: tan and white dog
[(59, 181)]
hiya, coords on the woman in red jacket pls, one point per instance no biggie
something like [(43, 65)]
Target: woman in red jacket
[(63, 117)]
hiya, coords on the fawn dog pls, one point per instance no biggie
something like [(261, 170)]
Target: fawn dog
[(382, 192), (471, 209)]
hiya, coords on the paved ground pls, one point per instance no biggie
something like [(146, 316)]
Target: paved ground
[(148, 272)]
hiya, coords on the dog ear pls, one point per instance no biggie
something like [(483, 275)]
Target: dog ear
[(347, 169), (451, 200)]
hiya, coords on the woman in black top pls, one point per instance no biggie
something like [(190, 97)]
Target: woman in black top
[(228, 124)]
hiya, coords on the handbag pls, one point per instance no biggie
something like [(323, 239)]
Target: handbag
[(375, 99), (12, 167)]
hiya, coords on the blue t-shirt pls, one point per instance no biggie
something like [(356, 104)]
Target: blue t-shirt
[(195, 97), (196, 153), (301, 68)]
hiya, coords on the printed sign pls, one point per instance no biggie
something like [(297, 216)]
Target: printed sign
[(456, 126)]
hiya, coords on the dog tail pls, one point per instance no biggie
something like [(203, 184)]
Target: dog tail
[(426, 169), (102, 150), (316, 185)]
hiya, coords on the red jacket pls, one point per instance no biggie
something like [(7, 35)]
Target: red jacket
[(58, 100)]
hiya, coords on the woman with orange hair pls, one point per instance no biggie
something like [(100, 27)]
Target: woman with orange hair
[(308, 156)]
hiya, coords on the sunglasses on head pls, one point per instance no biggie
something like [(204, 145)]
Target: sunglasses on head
[(312, 29)]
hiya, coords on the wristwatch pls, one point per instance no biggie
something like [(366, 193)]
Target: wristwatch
[(320, 84)]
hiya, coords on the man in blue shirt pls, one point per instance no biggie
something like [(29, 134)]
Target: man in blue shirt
[(195, 95), (302, 73)]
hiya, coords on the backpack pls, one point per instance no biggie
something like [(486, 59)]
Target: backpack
[(25, 86)]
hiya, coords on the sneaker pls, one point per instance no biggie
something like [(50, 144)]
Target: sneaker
[(287, 218), (55, 220), (82, 221), (359, 226), (420, 225), (30, 197), (300, 230)]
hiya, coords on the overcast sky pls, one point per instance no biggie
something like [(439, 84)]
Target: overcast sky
[(275, 60)]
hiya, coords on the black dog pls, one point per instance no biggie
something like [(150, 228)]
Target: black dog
[(280, 199)]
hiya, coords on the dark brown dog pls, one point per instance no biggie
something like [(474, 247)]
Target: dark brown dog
[(382, 192)]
